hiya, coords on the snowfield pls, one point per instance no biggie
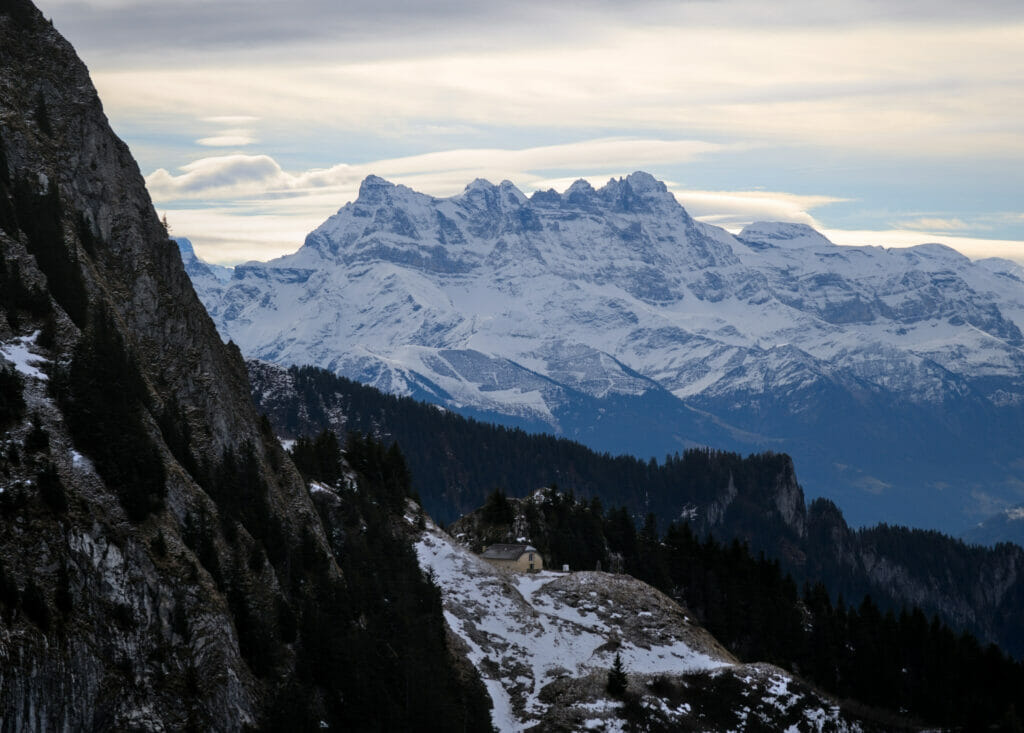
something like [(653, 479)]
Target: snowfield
[(592, 288)]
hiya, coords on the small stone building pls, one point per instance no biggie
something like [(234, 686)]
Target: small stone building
[(522, 558)]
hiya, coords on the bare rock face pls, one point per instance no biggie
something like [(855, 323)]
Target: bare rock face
[(134, 268), (114, 614)]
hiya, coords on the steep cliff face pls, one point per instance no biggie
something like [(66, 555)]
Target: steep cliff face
[(116, 610), (970, 587), (57, 137), (162, 565)]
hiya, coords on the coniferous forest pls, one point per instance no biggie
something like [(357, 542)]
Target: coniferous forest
[(457, 463), (395, 650), (902, 664)]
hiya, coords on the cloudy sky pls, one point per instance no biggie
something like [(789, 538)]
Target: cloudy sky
[(889, 122)]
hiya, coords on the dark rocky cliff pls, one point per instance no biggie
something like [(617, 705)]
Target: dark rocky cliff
[(144, 627), (162, 565)]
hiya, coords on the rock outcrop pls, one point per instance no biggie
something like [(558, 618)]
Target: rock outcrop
[(114, 619)]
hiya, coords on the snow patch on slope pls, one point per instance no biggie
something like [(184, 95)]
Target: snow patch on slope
[(523, 637), (25, 361), (595, 288), (543, 644)]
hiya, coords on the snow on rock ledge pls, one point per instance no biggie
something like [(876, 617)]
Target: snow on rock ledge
[(543, 644)]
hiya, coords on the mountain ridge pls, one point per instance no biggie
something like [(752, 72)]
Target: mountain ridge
[(163, 565), (591, 619), (892, 376)]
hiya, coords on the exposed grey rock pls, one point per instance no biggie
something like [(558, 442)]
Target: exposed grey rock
[(140, 635)]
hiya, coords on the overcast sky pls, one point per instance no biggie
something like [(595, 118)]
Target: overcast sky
[(893, 122)]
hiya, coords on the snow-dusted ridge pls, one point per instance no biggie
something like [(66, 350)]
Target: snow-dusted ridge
[(543, 644), (552, 310)]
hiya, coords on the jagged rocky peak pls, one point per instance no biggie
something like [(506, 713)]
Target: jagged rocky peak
[(478, 186), (482, 196), (375, 189), (580, 192), (643, 182), (512, 192), (498, 225), (638, 192)]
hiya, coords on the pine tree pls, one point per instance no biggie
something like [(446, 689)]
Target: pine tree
[(617, 679), (497, 509), (104, 399), (12, 403), (37, 439)]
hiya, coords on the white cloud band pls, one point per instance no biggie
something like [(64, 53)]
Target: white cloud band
[(256, 210), (444, 173)]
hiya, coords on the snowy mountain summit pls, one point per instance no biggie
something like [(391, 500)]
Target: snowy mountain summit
[(894, 377)]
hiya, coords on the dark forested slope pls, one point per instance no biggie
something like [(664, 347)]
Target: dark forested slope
[(162, 564), (456, 464)]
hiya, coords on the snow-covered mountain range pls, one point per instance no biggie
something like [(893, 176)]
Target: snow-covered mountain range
[(895, 377)]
